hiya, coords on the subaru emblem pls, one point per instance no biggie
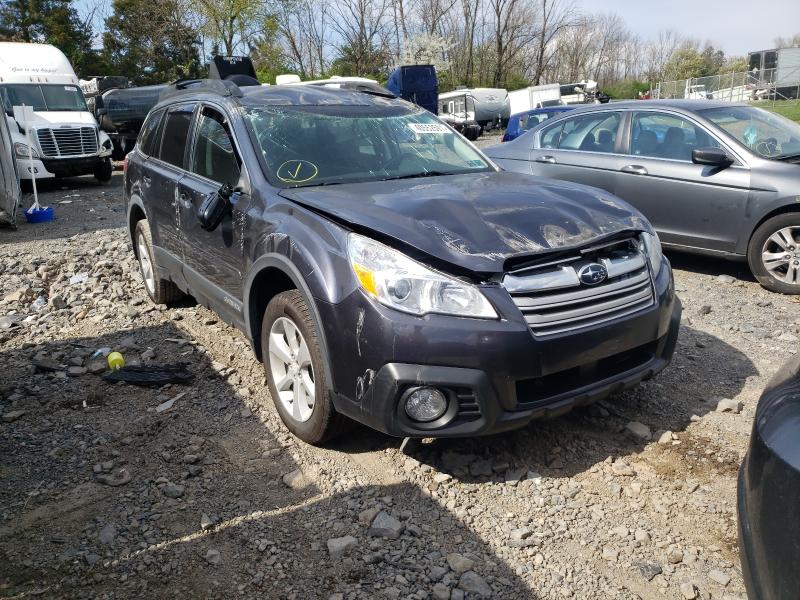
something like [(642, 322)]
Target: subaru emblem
[(592, 274)]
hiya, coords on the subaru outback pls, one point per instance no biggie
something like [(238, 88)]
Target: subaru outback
[(386, 271)]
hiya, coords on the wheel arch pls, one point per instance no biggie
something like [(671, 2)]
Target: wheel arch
[(136, 213), (269, 276), (780, 210)]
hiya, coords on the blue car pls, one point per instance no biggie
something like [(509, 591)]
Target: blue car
[(522, 122)]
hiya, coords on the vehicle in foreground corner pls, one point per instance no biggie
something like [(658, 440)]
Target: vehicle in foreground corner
[(385, 270), (768, 490), (525, 121), (712, 177)]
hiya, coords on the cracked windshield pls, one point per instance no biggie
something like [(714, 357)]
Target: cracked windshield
[(316, 145)]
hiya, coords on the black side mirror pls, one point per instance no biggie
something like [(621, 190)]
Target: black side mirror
[(714, 157), (214, 207)]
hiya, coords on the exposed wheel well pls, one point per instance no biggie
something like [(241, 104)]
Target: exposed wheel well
[(137, 214), (789, 208), (268, 283)]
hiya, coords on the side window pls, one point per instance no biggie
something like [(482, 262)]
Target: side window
[(594, 132), (662, 135), (214, 155), (148, 137), (176, 134), (551, 136)]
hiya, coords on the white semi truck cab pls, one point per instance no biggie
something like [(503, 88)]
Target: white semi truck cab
[(64, 137)]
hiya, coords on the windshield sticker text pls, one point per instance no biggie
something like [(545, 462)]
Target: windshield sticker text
[(428, 128)]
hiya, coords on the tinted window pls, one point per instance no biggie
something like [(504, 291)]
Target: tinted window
[(176, 133), (595, 132), (663, 135), (148, 138), (214, 156)]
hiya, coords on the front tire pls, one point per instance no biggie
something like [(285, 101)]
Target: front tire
[(774, 253), (104, 170), (161, 291), (294, 367)]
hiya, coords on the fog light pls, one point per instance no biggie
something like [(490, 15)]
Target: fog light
[(426, 404)]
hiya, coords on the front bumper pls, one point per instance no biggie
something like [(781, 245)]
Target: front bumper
[(47, 168), (497, 374)]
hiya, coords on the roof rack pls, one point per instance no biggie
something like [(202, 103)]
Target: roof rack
[(208, 86)]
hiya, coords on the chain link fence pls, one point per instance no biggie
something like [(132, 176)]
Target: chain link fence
[(734, 87)]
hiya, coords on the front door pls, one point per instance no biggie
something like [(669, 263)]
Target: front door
[(690, 205), (216, 256)]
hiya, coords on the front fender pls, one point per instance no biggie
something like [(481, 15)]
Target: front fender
[(290, 269)]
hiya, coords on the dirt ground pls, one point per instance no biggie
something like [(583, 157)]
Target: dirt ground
[(111, 491)]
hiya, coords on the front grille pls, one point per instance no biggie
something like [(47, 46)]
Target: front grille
[(67, 141), (554, 300)]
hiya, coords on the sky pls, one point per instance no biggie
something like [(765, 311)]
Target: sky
[(736, 26)]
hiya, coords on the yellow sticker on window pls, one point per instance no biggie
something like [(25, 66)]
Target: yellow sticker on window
[(297, 171)]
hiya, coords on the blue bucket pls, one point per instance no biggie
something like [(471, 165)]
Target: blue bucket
[(42, 215)]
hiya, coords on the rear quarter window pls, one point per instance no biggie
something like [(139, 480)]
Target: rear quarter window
[(150, 135)]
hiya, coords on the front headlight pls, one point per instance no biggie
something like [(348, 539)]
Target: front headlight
[(21, 150), (397, 281), (652, 247)]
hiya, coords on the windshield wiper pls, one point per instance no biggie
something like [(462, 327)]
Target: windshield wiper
[(788, 157), (415, 175)]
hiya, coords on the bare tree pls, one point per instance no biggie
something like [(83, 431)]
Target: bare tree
[(555, 17), (363, 31)]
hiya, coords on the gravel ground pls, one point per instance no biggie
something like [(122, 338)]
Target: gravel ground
[(198, 491)]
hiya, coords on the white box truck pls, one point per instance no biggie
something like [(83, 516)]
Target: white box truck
[(65, 138), (537, 96)]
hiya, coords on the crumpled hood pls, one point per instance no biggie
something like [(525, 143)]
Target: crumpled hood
[(477, 221)]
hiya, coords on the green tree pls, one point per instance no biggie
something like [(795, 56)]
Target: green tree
[(685, 63), (229, 22), (151, 43), (267, 53), (53, 22)]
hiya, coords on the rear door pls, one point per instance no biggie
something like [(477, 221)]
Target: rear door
[(689, 205), (583, 148), (162, 172), (215, 256)]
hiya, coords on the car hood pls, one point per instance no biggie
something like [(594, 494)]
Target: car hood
[(476, 221)]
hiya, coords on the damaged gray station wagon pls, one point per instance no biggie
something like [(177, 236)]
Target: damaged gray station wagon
[(385, 270)]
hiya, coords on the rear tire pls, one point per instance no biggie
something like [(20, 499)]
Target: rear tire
[(161, 291), (774, 253), (293, 361)]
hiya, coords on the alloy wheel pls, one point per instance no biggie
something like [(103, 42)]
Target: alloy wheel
[(291, 369), (146, 265), (781, 255)]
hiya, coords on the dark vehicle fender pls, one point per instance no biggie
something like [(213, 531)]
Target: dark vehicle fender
[(135, 212), (253, 309)]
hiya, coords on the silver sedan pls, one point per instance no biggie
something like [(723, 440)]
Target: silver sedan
[(712, 177)]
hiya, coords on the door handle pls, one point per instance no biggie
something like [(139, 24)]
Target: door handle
[(546, 159), (634, 169)]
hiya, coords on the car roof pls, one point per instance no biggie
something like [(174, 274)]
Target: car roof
[(287, 95), (679, 104), (535, 111)]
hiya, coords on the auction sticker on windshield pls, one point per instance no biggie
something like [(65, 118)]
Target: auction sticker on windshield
[(429, 128), (297, 171)]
